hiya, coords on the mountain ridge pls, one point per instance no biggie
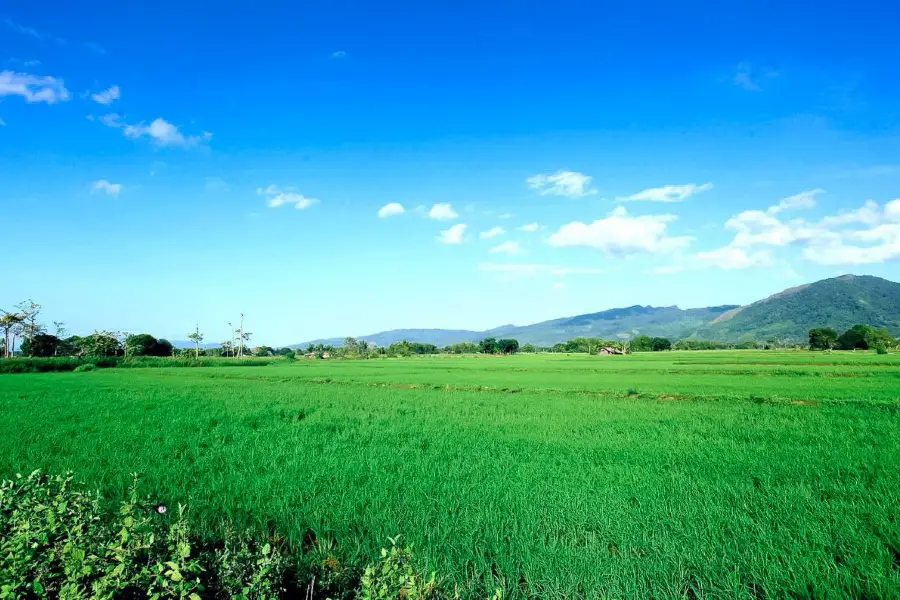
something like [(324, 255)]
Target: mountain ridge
[(838, 302)]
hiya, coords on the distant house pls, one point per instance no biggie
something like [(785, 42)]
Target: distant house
[(325, 355), (610, 350)]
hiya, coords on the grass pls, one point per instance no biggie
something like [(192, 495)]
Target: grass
[(704, 474)]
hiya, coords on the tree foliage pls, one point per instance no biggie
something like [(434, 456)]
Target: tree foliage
[(822, 338)]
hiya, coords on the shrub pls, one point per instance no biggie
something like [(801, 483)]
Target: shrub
[(880, 349), (85, 367), (57, 541)]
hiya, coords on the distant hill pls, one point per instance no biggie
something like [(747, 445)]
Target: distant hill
[(839, 303)]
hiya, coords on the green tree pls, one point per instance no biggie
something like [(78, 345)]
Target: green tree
[(43, 344), (528, 348), (660, 344), (197, 338), (99, 343), (560, 348), (508, 346), (854, 338), (29, 310), (641, 343), (8, 322), (286, 352), (265, 351), (822, 338), (489, 346)]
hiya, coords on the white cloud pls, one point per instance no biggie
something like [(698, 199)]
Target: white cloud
[(505, 216), (160, 132), (107, 96), (492, 233), (390, 209), (339, 54), (621, 233), (453, 235), (731, 257), (865, 235), (531, 227), (275, 197), (668, 193), (442, 211), (510, 248), (562, 183), (33, 88), (104, 186)]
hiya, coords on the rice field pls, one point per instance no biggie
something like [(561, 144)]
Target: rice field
[(667, 475)]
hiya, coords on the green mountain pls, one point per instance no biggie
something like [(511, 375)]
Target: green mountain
[(839, 303)]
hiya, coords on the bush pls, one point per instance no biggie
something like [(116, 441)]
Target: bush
[(58, 541), (47, 365), (85, 367), (880, 349)]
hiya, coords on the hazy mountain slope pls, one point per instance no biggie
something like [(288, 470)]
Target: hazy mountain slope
[(439, 337), (618, 323), (839, 303)]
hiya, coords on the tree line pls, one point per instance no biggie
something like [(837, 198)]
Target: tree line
[(858, 337)]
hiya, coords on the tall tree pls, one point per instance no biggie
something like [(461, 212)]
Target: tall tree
[(9, 322), (197, 338), (29, 310), (822, 338)]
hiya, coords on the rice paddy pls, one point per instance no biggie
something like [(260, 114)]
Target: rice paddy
[(666, 475)]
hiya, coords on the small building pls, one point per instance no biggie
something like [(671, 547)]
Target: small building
[(610, 350)]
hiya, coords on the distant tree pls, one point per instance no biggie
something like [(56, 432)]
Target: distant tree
[(227, 348), (822, 338), (489, 346), (854, 338), (508, 346), (350, 346), (43, 344), (144, 344), (641, 343), (660, 344), (197, 338), (286, 352), (462, 348), (362, 348), (265, 351), (9, 321), (29, 311), (560, 348), (99, 343), (528, 349)]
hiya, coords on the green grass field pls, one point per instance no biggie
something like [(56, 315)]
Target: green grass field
[(670, 475)]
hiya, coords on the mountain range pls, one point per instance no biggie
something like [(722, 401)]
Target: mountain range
[(840, 302)]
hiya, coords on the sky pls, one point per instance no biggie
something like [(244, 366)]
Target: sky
[(342, 168)]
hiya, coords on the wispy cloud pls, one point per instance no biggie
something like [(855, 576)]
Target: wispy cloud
[(159, 131), (453, 235), (517, 269), (492, 233), (562, 183), (442, 211), (103, 186), (338, 54), (215, 185), (530, 227), (751, 77), (106, 96), (29, 31), (95, 48), (276, 196), (33, 88), (391, 209), (667, 193), (511, 248)]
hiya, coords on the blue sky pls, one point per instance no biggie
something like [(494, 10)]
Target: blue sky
[(167, 164)]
